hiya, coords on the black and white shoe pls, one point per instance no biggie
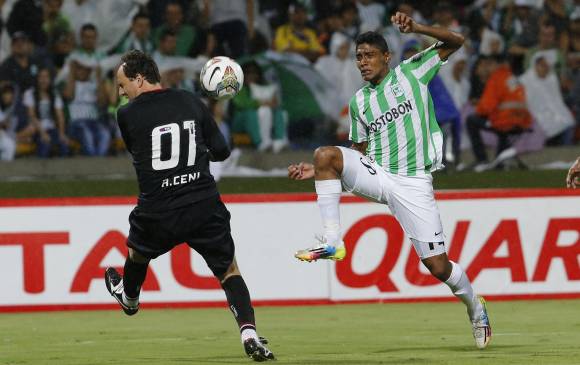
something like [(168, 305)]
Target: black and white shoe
[(114, 283), (257, 351)]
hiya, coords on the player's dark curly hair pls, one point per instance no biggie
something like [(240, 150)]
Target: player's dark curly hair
[(137, 62), (374, 39)]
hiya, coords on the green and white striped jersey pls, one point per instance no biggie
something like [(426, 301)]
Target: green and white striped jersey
[(397, 118)]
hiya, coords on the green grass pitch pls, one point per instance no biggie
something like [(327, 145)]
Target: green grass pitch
[(525, 332), (241, 185)]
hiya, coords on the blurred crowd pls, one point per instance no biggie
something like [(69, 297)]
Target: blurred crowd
[(514, 86)]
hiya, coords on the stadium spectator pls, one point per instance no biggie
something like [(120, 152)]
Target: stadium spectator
[(395, 38), (521, 26), (21, 67), (8, 122), (63, 45), (502, 109), (480, 72), (444, 16), (573, 65), (167, 47), (488, 12), (232, 22), (219, 112), (557, 11), (547, 48), (45, 112), (484, 40), (350, 21), (55, 23), (88, 44), (84, 92), (372, 14), (27, 17), (138, 37), (455, 77), (257, 111), (186, 34), (339, 69), (296, 36), (209, 49), (546, 102), (115, 101), (327, 26), (173, 76), (111, 18)]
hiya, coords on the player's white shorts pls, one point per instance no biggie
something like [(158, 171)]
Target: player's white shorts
[(410, 199)]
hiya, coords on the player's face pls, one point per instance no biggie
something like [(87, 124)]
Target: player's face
[(371, 62), (128, 87)]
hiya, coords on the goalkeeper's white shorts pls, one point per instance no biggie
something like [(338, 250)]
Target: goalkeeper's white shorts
[(410, 199)]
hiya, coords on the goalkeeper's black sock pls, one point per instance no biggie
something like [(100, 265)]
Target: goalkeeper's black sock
[(133, 277), (240, 304)]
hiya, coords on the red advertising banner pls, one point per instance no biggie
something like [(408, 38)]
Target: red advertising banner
[(512, 244)]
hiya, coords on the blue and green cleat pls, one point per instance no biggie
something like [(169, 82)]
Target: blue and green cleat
[(321, 251)]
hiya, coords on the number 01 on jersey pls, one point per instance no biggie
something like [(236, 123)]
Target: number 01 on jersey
[(174, 131)]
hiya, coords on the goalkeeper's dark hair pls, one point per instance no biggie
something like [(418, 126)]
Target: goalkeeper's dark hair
[(374, 39), (137, 62)]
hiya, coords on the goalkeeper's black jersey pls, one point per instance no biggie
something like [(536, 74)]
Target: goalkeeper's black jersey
[(172, 136)]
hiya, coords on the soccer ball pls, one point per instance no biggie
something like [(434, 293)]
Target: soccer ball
[(221, 78)]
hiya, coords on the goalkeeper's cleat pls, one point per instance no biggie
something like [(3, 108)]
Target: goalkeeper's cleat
[(482, 328), (257, 350), (322, 251), (114, 283)]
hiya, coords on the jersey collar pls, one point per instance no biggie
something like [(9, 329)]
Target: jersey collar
[(383, 82)]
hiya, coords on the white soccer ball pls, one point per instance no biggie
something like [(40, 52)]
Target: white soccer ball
[(221, 78)]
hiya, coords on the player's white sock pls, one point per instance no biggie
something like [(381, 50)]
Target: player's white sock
[(249, 333), (328, 202), (461, 288), (131, 302)]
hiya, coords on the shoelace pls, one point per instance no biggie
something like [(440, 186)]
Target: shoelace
[(321, 242)]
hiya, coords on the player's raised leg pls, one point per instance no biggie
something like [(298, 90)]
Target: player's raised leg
[(125, 289), (453, 275), (326, 170), (240, 304)]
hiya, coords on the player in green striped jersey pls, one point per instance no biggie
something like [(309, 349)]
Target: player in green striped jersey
[(396, 145)]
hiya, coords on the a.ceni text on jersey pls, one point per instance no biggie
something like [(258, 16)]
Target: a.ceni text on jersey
[(180, 179), (390, 115)]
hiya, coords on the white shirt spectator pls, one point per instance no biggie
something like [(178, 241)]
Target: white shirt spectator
[(7, 136), (84, 105), (491, 43), (545, 100), (340, 70), (341, 73), (371, 15), (112, 18), (222, 11), (45, 113), (457, 83)]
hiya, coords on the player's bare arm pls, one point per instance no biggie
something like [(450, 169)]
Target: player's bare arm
[(452, 41), (573, 178)]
